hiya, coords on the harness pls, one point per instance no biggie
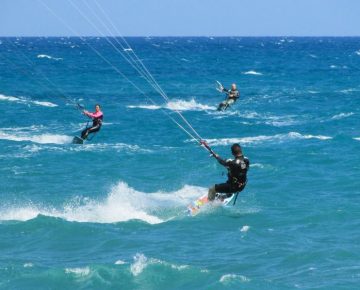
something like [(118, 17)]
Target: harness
[(233, 95)]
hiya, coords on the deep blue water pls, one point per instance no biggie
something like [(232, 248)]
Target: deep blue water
[(110, 214)]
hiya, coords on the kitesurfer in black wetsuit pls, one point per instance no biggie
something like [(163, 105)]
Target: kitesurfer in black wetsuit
[(97, 118), (232, 95), (237, 173)]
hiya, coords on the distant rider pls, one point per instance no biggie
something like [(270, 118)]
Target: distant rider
[(232, 95), (97, 118), (237, 173)]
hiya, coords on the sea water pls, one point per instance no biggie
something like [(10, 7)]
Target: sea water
[(111, 214)]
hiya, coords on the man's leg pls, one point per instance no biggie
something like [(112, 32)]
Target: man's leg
[(85, 133), (211, 193)]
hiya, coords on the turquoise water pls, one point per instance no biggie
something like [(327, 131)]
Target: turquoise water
[(110, 214)]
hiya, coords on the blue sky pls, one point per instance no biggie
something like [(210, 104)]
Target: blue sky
[(186, 17)]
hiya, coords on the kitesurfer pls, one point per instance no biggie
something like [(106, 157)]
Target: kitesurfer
[(97, 118), (237, 173), (231, 97)]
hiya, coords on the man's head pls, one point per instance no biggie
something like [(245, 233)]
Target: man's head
[(97, 107), (236, 150), (233, 87)]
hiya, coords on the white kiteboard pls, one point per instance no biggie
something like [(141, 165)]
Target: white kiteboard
[(196, 206)]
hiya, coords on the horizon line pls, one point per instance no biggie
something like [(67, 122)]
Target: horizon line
[(186, 36)]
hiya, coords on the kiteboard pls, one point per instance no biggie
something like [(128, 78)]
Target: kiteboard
[(78, 140), (195, 207)]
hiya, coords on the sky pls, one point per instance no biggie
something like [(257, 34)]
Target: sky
[(181, 17)]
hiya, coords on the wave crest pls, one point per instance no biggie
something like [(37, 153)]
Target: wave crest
[(49, 57), (122, 204), (263, 138), (252, 72)]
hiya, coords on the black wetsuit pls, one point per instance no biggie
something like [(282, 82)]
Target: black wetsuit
[(232, 94), (237, 175), (96, 125)]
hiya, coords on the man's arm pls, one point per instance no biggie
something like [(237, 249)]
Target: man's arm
[(220, 160)]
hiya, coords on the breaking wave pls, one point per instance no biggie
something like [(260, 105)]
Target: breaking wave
[(121, 204), (22, 100)]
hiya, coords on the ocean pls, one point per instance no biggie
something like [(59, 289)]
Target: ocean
[(111, 214)]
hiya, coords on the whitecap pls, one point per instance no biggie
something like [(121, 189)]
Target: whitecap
[(40, 139), (192, 105), (45, 104), (357, 52), (231, 277), (22, 100), (177, 105), (120, 262), (28, 265), (78, 271), (147, 107), (244, 229), (342, 116), (257, 165), (252, 72), (263, 138), (140, 263), (48, 57)]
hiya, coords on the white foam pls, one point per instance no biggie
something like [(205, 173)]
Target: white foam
[(48, 57), (40, 139), (128, 49), (147, 107), (78, 271), (263, 138), (22, 100), (342, 116), (118, 147), (277, 121), (252, 72), (140, 263), (120, 262), (257, 165), (28, 265), (178, 105), (357, 52), (357, 138), (121, 204), (244, 229), (191, 105), (230, 277), (45, 104)]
